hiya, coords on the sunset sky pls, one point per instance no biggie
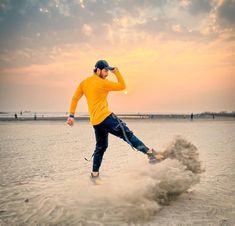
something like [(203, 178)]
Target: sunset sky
[(176, 56)]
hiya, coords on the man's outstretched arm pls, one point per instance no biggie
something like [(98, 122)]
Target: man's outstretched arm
[(76, 97)]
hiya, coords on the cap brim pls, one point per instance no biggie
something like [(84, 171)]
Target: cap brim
[(109, 68)]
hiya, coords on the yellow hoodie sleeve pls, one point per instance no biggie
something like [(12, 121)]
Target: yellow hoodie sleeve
[(76, 97), (112, 86)]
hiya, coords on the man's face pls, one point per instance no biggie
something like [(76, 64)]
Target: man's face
[(103, 73)]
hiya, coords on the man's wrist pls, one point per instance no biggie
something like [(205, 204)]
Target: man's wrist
[(71, 115), (116, 71)]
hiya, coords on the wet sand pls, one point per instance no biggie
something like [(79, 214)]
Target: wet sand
[(45, 180)]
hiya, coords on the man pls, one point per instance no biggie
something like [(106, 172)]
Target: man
[(96, 88)]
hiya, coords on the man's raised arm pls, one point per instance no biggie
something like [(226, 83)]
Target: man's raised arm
[(119, 85)]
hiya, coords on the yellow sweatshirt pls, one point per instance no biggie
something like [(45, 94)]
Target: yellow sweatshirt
[(96, 90)]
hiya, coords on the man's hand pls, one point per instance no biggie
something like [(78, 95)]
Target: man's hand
[(70, 121), (114, 70)]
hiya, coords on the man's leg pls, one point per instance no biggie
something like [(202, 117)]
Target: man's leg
[(112, 125), (117, 127), (101, 146)]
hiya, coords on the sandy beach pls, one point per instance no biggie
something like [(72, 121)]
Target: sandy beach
[(45, 180), (165, 68)]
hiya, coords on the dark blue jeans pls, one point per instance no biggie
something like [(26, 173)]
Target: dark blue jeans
[(111, 124)]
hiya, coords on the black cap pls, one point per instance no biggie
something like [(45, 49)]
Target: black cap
[(101, 64)]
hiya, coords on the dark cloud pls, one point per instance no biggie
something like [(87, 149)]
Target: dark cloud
[(196, 7), (42, 25), (45, 23), (39, 20), (133, 4), (226, 13)]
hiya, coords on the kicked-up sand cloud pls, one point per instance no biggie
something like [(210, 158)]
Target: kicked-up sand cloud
[(135, 196)]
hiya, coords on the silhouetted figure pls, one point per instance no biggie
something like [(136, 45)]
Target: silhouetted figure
[(35, 116), (191, 116), (16, 117), (213, 116), (21, 113)]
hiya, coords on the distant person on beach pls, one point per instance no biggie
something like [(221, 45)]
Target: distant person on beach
[(96, 88), (16, 117), (191, 116)]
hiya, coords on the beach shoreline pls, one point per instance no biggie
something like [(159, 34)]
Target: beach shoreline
[(150, 117)]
